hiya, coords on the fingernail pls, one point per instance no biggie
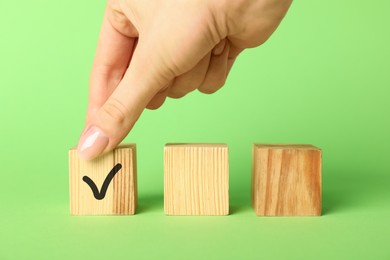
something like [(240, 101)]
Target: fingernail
[(92, 143), (218, 49)]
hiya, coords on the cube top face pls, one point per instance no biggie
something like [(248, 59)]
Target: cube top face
[(194, 145), (196, 179), (286, 146), (286, 180), (112, 185)]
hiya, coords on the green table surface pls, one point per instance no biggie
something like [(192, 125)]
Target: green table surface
[(322, 78)]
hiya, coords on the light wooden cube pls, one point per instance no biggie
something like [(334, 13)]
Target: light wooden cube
[(286, 180), (196, 179), (114, 172)]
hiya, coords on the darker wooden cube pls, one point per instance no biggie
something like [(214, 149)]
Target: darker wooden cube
[(286, 180)]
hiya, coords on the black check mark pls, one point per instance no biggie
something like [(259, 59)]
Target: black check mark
[(100, 195)]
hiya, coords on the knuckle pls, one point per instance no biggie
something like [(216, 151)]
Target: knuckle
[(213, 87), (172, 67), (221, 82), (120, 22), (154, 105), (177, 95), (114, 112), (156, 102), (107, 73), (207, 90)]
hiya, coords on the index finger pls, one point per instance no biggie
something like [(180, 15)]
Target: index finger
[(113, 54)]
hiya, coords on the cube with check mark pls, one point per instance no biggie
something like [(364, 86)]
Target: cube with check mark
[(106, 185)]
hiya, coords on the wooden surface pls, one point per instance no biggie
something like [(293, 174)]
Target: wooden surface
[(196, 179), (286, 180), (121, 195)]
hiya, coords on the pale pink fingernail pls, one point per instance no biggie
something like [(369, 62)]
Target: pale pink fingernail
[(92, 143)]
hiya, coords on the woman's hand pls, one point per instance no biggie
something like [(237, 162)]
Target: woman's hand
[(149, 50)]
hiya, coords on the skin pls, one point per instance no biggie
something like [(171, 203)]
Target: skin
[(150, 50)]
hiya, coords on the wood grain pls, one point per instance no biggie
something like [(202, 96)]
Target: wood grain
[(286, 180), (121, 196), (196, 179)]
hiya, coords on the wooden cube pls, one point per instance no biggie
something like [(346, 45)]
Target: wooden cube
[(196, 179), (106, 185), (286, 180)]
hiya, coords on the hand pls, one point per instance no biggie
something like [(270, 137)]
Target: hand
[(149, 50)]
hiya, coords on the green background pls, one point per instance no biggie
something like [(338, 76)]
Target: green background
[(323, 78)]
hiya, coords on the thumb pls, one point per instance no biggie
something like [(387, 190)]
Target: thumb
[(114, 120)]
